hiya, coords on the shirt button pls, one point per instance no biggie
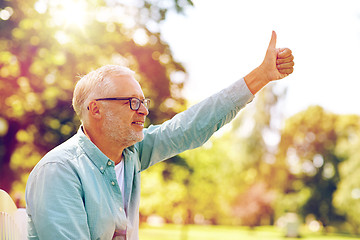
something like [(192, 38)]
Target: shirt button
[(120, 208), (113, 183), (109, 163), (101, 168)]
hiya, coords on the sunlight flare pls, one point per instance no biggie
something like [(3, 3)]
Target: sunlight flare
[(65, 13)]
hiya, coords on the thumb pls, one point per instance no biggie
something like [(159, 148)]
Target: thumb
[(272, 43)]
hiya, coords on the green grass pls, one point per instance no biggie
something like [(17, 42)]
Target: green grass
[(194, 232)]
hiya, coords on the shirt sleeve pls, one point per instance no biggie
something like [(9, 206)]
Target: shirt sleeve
[(55, 206), (193, 127)]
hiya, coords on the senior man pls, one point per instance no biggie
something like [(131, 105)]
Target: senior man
[(89, 186)]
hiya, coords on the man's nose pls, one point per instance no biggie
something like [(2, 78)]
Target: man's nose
[(143, 110)]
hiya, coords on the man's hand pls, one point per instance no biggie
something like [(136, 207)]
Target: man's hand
[(278, 63)]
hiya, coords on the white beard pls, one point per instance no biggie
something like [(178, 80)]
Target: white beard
[(115, 130)]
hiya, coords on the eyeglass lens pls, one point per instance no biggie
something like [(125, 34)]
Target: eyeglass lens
[(135, 103)]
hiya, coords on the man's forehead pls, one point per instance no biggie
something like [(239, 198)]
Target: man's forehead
[(127, 85)]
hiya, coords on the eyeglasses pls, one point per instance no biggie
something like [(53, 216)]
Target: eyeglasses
[(134, 101)]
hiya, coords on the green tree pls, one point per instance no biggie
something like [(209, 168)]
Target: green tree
[(44, 45), (347, 195), (171, 199), (308, 149)]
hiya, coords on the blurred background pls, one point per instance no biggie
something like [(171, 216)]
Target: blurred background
[(290, 159)]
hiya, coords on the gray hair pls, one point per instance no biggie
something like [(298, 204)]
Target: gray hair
[(95, 84)]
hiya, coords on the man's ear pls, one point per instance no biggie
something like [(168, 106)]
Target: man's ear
[(94, 109)]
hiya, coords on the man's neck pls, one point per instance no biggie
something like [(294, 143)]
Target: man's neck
[(112, 150)]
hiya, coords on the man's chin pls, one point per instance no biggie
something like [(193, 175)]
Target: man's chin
[(138, 137), (141, 137)]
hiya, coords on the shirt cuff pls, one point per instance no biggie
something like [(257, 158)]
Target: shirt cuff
[(239, 93)]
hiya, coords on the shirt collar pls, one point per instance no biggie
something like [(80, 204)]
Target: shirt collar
[(95, 154), (92, 151), (129, 149)]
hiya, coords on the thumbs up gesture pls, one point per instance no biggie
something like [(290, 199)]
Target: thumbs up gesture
[(278, 63)]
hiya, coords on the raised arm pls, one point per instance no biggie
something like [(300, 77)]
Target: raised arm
[(193, 127)]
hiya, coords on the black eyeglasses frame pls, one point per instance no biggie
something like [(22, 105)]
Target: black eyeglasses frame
[(145, 102)]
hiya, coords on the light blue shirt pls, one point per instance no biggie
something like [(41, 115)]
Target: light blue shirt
[(72, 193)]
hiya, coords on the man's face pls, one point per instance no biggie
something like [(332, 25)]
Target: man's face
[(120, 123)]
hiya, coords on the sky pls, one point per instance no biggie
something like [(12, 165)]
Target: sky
[(219, 42)]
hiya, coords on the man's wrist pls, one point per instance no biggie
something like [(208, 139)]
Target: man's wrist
[(255, 80)]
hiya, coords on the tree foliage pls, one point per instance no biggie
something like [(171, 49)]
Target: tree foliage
[(45, 45), (346, 198), (318, 148)]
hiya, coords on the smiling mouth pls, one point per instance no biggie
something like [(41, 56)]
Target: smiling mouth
[(139, 123)]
